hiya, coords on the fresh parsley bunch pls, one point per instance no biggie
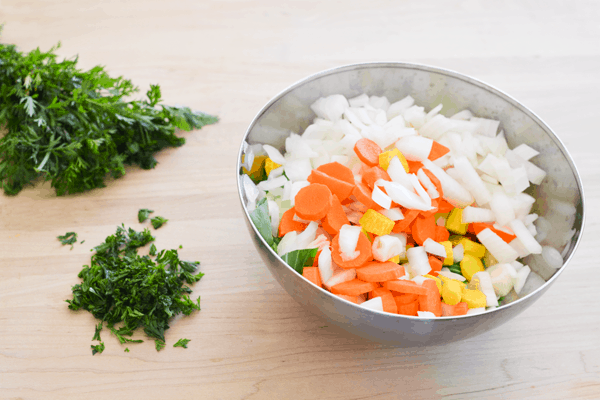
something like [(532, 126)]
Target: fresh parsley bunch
[(75, 128), (128, 291)]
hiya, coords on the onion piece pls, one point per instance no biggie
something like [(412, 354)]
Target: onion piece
[(458, 252), (552, 257), (496, 246), (403, 196), (435, 248), (395, 214), (522, 275), (471, 181), (340, 276), (348, 239), (429, 186), (502, 208), (477, 214), (525, 236), (525, 152), (325, 264), (451, 275), (483, 282), (415, 148), (387, 246), (454, 192), (381, 198), (399, 107), (373, 304), (419, 263), (274, 154)]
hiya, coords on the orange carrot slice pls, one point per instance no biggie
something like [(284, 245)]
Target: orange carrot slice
[(389, 305), (431, 301), (363, 194), (441, 234), (338, 171), (373, 174), (404, 286), (436, 182), (354, 287), (479, 226), (313, 201), (363, 247), (367, 151), (408, 309), (335, 218), (457, 309), (437, 150), (405, 298), (414, 166), (444, 206), (434, 210), (380, 271), (353, 299), (423, 228), (287, 223), (436, 265), (340, 188), (313, 275), (404, 224)]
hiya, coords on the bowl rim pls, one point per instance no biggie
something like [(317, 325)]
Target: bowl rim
[(442, 71)]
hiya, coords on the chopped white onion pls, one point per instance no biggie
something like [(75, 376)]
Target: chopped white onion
[(477, 214), (496, 246), (521, 278), (381, 198), (525, 236), (274, 154), (395, 214), (451, 275), (458, 252), (387, 246), (552, 257), (435, 248), (348, 239), (454, 192), (373, 304), (419, 263), (325, 264), (525, 152)]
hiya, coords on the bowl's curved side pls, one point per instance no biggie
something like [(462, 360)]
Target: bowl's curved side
[(290, 112)]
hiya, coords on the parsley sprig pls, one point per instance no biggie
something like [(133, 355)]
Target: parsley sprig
[(128, 291), (73, 127)]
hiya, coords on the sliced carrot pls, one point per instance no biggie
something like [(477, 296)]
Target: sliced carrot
[(404, 224), (423, 228), (431, 301), (375, 271), (335, 218), (353, 299), (338, 171), (434, 210), (373, 174), (437, 150), (363, 247), (313, 201), (389, 305), (436, 182), (287, 223), (377, 292), (444, 206), (354, 287), (340, 188), (479, 226), (405, 298), (363, 194), (457, 309), (408, 309), (313, 275), (414, 166), (405, 286), (367, 151), (441, 234), (436, 265)]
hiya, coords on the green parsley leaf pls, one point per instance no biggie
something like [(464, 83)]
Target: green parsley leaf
[(182, 343), (152, 251), (262, 220), (298, 259), (157, 222), (455, 268), (76, 128), (126, 350), (143, 214), (99, 348), (68, 238), (97, 333), (159, 344), (128, 291)]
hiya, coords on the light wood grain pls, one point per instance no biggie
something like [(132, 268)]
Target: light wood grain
[(251, 340)]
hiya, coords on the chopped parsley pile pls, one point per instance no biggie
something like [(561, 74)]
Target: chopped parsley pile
[(127, 291), (75, 128)]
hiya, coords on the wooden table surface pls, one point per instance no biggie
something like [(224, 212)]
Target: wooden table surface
[(252, 340)]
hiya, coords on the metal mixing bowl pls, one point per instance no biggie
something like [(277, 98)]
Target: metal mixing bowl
[(289, 112)]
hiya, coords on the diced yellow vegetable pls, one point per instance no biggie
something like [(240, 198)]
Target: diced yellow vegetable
[(395, 259), (474, 298), (455, 239), (270, 165), (452, 292), (454, 222), (472, 248), (449, 260), (376, 223), (386, 157), (470, 265), (257, 167), (489, 259)]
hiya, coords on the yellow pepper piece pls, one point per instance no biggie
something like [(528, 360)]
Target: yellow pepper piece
[(437, 280), (470, 265), (386, 157), (257, 166), (452, 292), (395, 259), (449, 260), (472, 248), (454, 222), (376, 223), (270, 165), (474, 298)]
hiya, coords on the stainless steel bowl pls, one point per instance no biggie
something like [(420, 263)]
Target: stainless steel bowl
[(289, 112)]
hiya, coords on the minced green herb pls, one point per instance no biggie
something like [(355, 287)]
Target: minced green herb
[(143, 214), (182, 343), (68, 238), (157, 222), (75, 128), (128, 291), (99, 348)]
